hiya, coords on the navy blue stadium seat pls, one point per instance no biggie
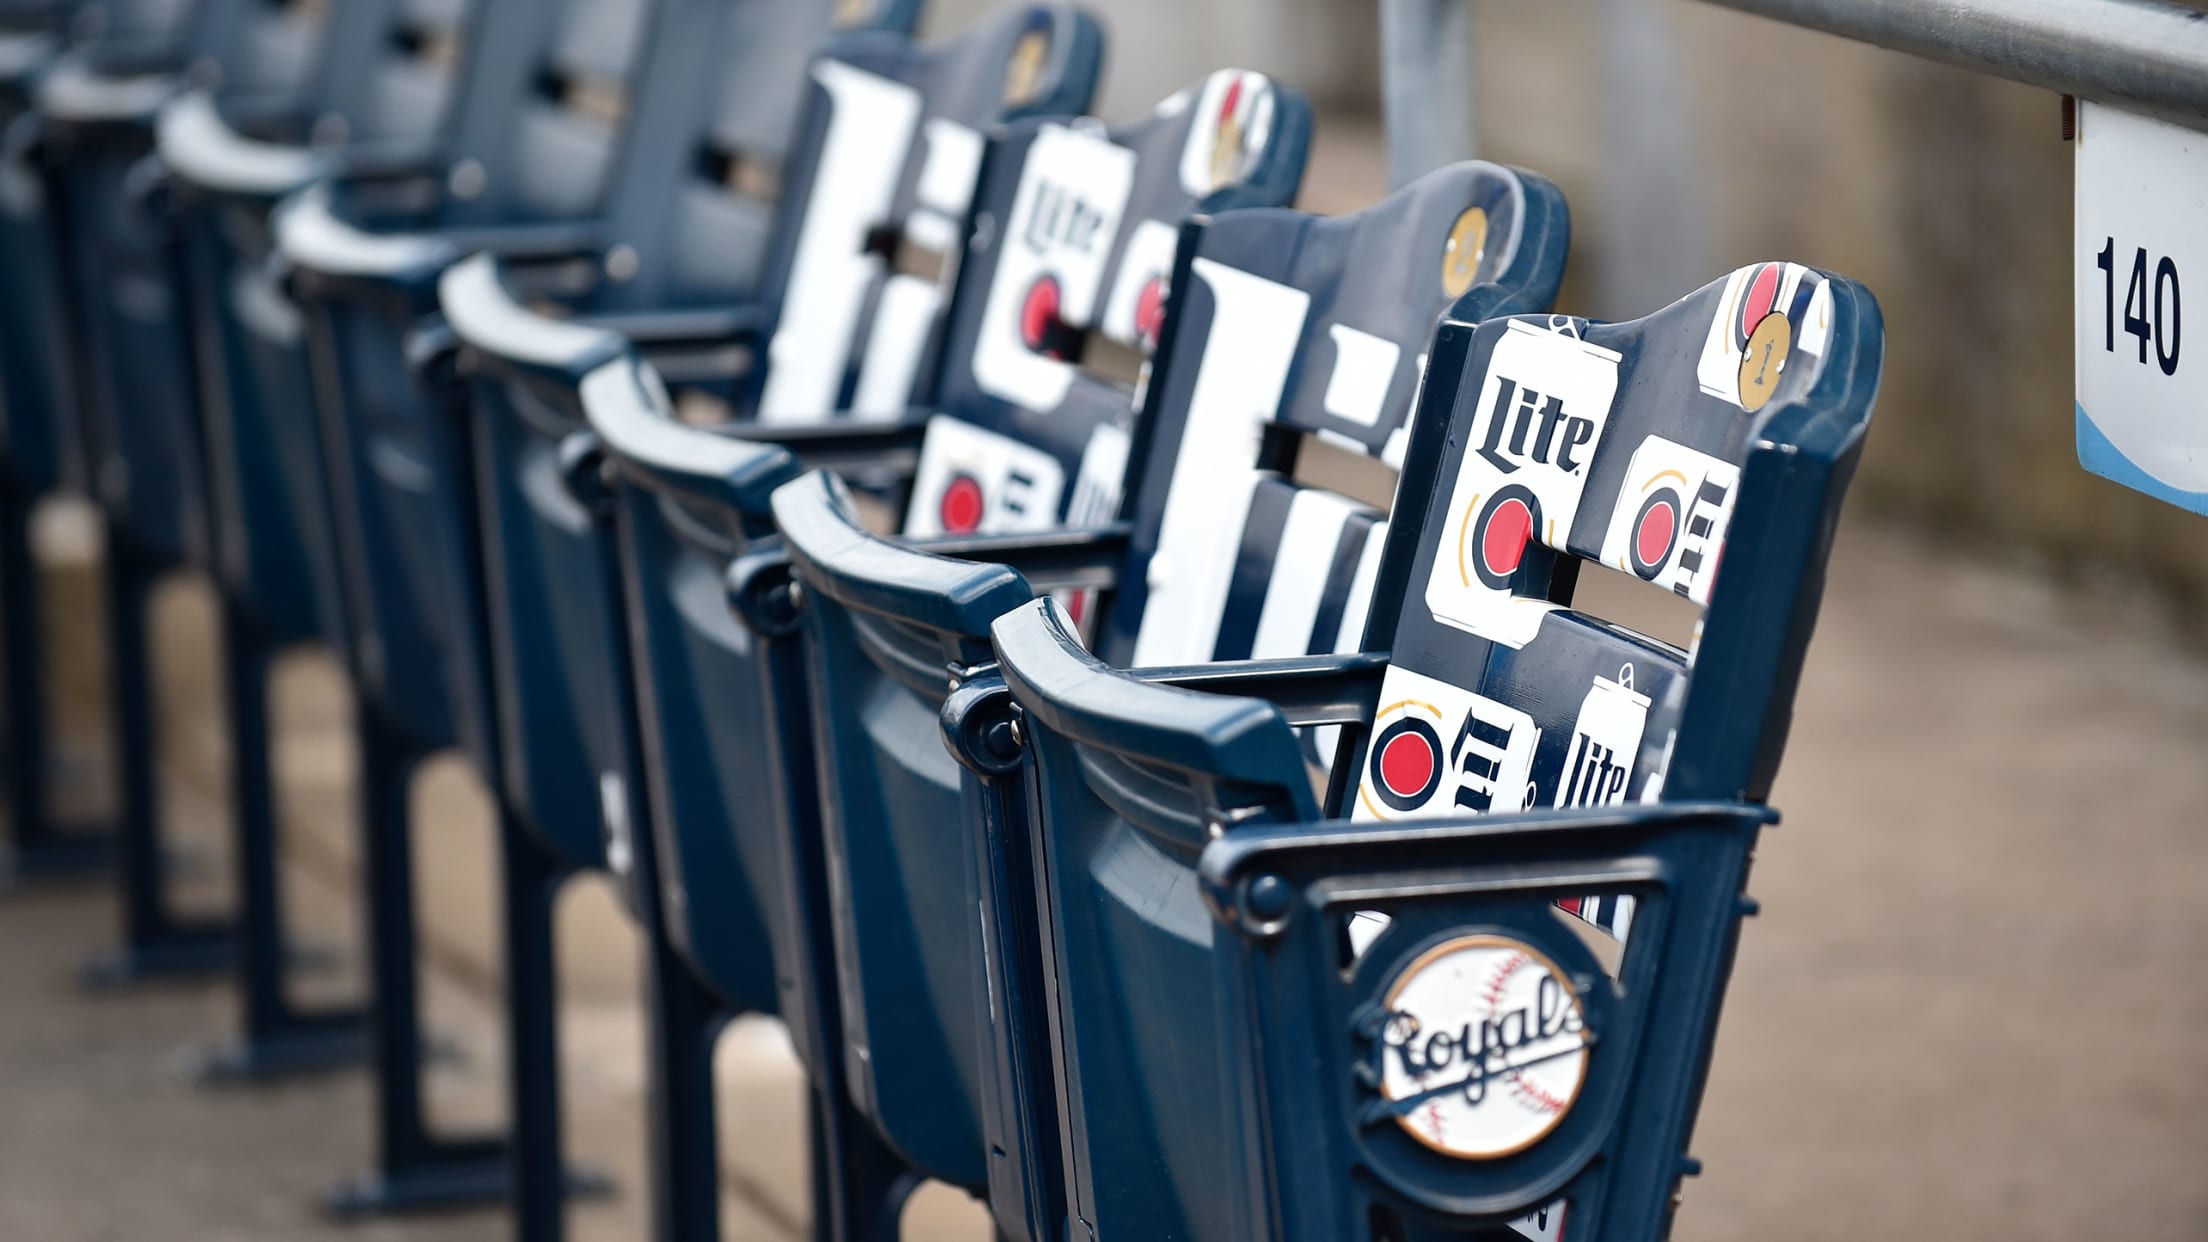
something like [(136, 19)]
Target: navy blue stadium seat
[(32, 372), (1272, 316), (1372, 1018), (724, 703)]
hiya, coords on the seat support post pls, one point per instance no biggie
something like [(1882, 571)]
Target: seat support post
[(415, 1170), (686, 1021), (38, 851), (277, 1040), (158, 943), (532, 878)]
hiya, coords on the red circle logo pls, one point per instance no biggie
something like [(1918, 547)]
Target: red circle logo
[(1407, 764), (962, 505), (1655, 532), (1760, 298), (1506, 525), (1503, 542), (1150, 310), (1039, 313)]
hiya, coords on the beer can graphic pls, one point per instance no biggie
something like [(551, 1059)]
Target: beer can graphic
[(1598, 766)]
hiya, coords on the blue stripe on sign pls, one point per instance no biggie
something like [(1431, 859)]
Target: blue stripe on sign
[(2097, 454)]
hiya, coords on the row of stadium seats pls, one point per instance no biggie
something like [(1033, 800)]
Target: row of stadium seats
[(923, 544)]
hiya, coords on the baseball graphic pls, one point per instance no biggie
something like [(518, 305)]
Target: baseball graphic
[(1483, 1048)]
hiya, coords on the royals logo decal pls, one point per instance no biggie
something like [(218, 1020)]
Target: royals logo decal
[(1537, 423), (1440, 750), (1769, 313), (1669, 524), (1479, 1049)]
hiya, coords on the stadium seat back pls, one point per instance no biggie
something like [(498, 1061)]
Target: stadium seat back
[(1299, 343), (1539, 438), (1063, 295)]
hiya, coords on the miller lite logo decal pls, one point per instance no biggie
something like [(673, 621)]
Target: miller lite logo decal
[(1769, 312), (974, 481), (1479, 1049), (1048, 284), (1536, 425), (1234, 119), (1606, 743), (1440, 750), (1669, 525)]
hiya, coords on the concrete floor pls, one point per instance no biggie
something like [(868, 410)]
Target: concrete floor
[(1973, 1007)]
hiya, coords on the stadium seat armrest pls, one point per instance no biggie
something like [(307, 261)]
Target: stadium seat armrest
[(122, 91), (23, 53), (1401, 844), (628, 408), (1309, 690), (203, 149), (839, 558), (1053, 560), (846, 445), (1219, 739), (383, 163), (699, 328), (530, 243), (505, 335), (321, 244)]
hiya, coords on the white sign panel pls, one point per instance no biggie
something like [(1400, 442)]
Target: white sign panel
[(2142, 235)]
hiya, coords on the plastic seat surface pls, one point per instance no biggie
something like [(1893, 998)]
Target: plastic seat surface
[(1214, 945)]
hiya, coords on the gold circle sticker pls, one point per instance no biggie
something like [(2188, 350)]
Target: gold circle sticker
[(1460, 257), (852, 12), (1764, 360), (1025, 73), (1484, 1047)]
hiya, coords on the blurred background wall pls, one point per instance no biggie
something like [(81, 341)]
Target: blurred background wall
[(1691, 140)]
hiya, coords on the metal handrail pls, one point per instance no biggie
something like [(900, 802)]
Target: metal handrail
[(1427, 85), (2142, 55)]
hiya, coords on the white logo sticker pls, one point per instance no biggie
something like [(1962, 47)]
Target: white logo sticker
[(1050, 263), (1606, 741), (1753, 294), (1481, 1049), (973, 481), (1440, 750), (1538, 422), (1669, 526)]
